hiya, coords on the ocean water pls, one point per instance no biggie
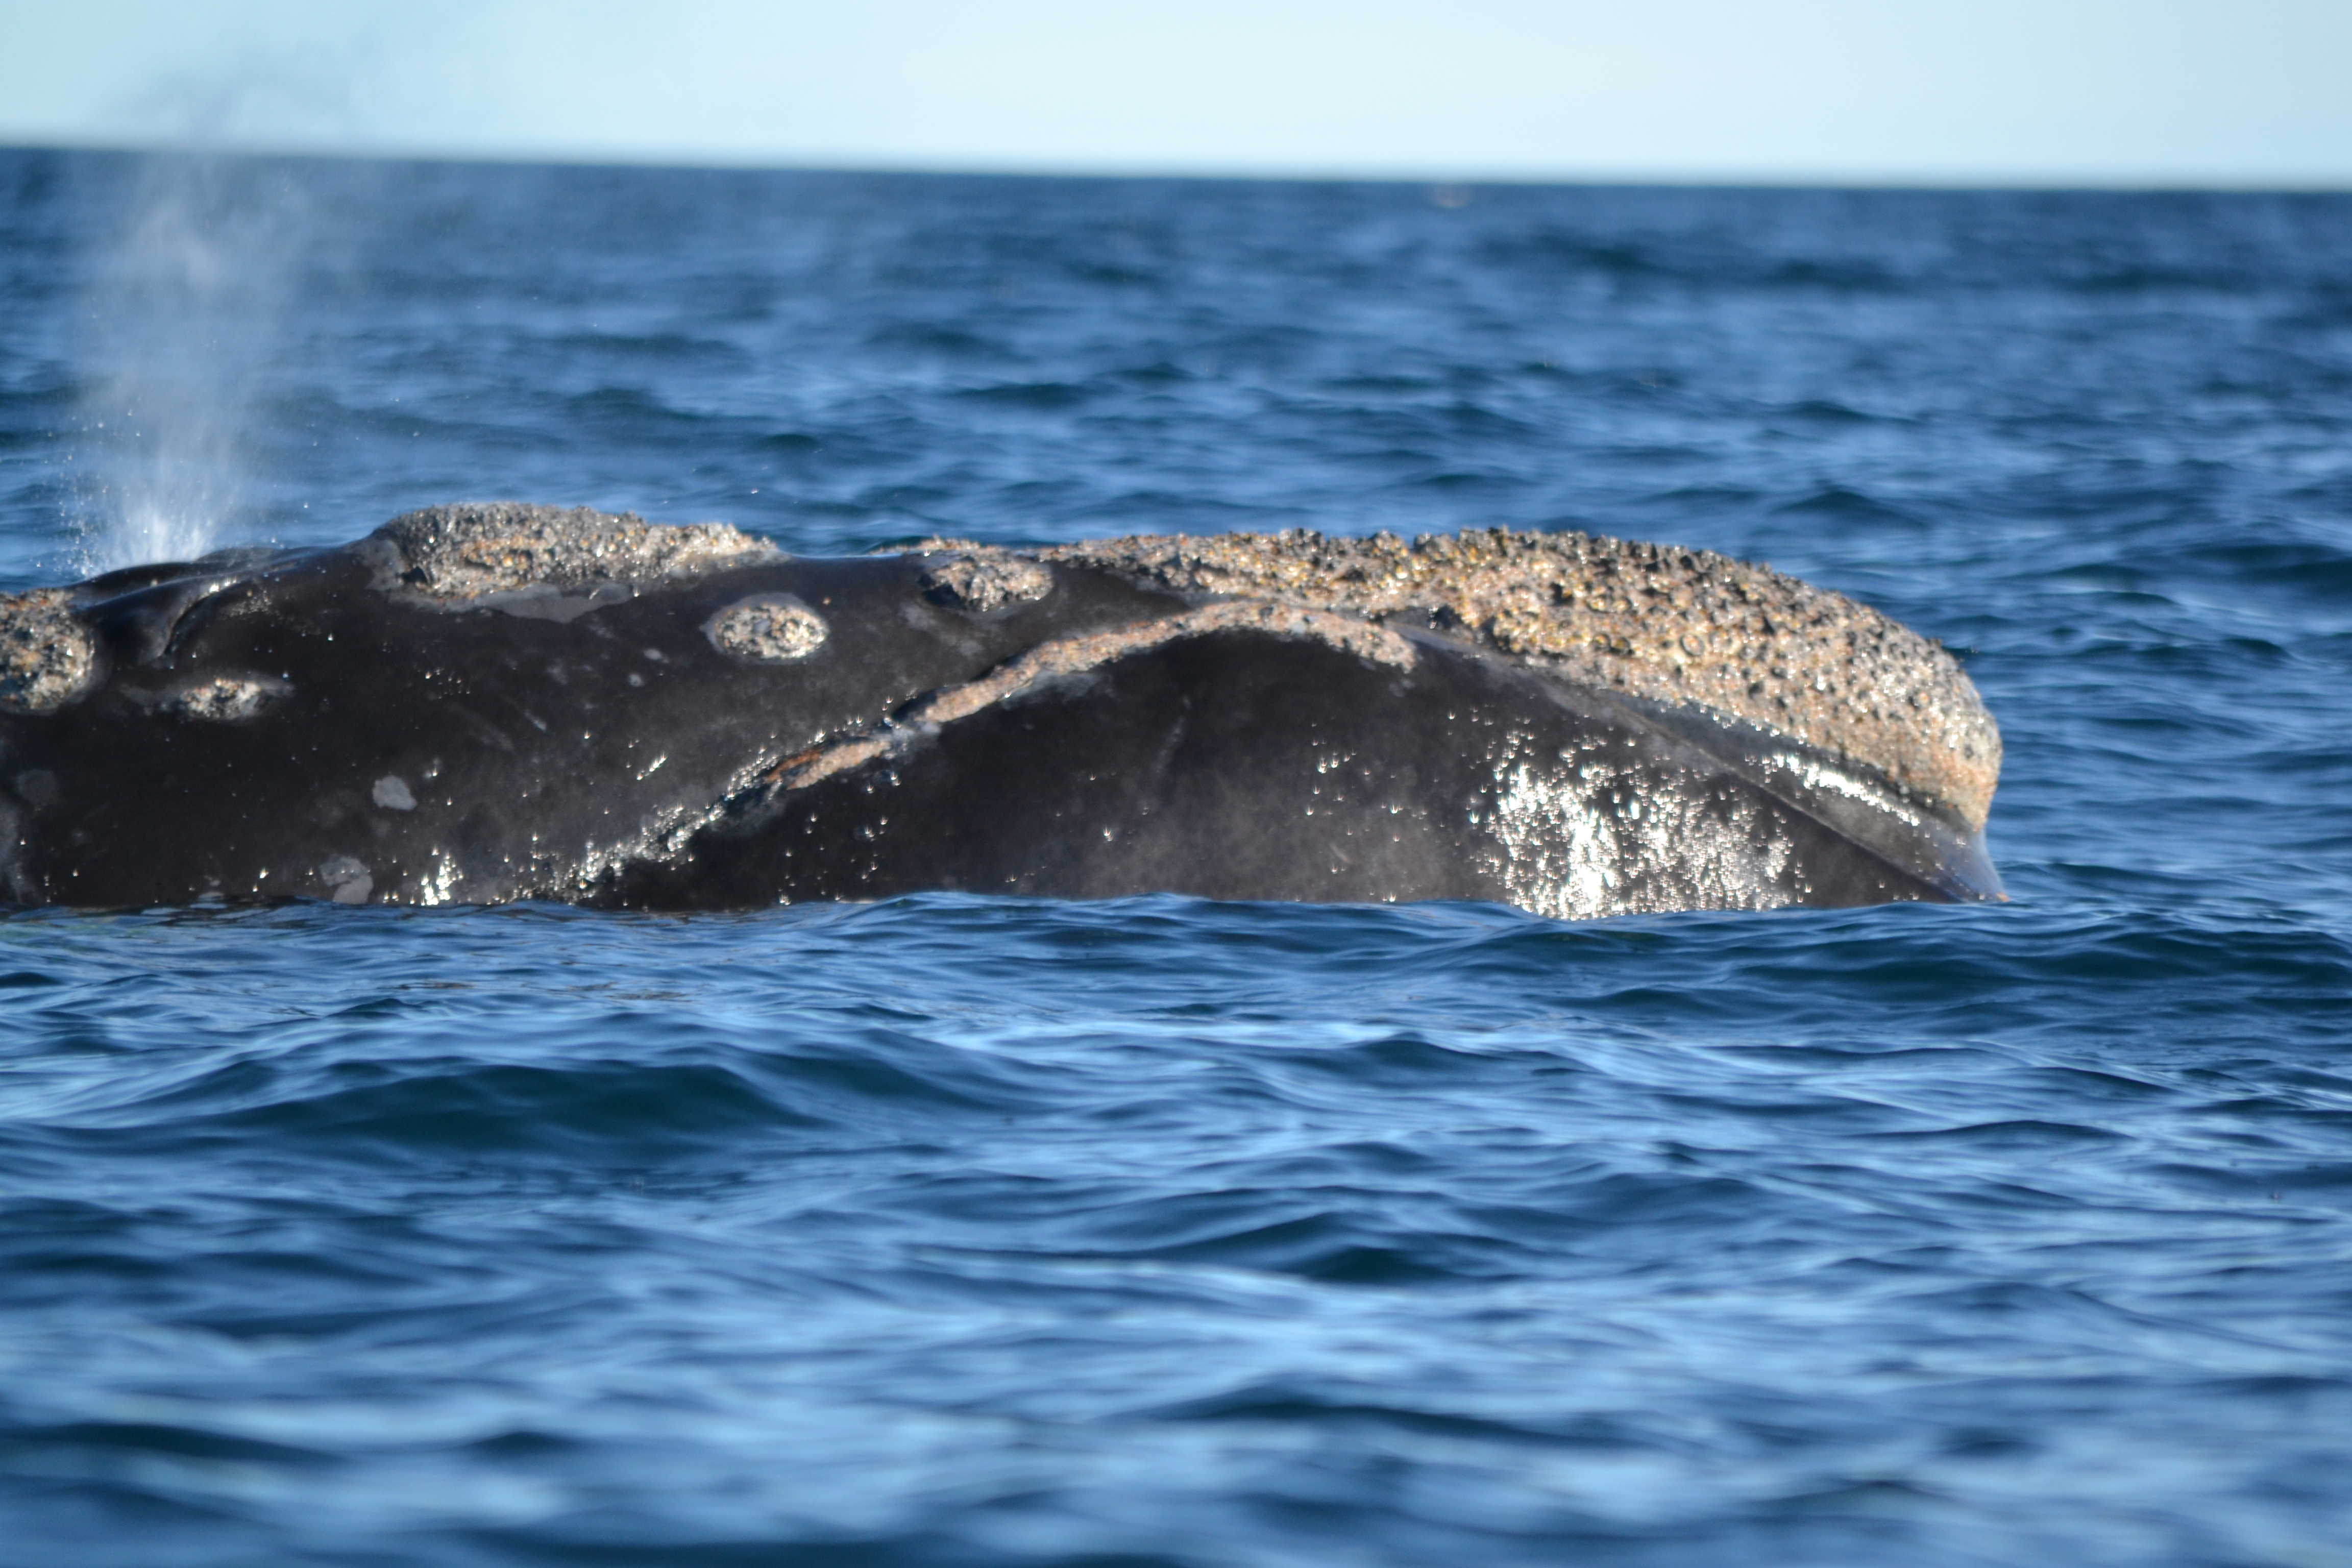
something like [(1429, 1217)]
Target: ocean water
[(965, 1231)]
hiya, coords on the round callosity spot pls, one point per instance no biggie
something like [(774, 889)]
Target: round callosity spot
[(392, 792), (223, 697), (768, 629), (46, 654), (983, 580)]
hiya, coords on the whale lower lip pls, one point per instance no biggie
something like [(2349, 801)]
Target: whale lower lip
[(495, 701)]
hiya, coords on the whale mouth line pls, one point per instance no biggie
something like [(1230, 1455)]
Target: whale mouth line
[(1068, 656)]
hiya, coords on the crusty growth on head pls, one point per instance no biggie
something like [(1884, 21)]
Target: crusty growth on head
[(502, 547), (1682, 627), (46, 654), (981, 580)]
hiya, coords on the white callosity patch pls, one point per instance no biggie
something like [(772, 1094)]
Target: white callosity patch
[(1576, 837), (983, 580), (348, 880), (223, 697), (392, 792), (472, 549), (46, 654), (767, 628)]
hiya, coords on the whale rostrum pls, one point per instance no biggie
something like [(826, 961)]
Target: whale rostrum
[(491, 701)]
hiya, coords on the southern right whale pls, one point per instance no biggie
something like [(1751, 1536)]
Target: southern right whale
[(490, 701)]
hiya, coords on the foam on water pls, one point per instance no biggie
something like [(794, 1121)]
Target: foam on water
[(955, 1230)]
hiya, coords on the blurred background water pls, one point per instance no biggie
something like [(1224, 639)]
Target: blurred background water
[(961, 1231)]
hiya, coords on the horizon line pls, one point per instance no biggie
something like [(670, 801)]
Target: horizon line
[(2152, 182)]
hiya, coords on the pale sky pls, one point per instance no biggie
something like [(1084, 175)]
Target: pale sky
[(2093, 92)]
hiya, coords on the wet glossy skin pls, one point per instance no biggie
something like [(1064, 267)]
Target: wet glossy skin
[(609, 750)]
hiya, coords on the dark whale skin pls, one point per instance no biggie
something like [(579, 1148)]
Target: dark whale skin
[(602, 747), (1245, 766)]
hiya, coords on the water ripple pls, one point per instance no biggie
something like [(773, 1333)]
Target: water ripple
[(956, 1230)]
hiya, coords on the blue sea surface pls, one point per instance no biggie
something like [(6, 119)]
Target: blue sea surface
[(954, 1230)]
